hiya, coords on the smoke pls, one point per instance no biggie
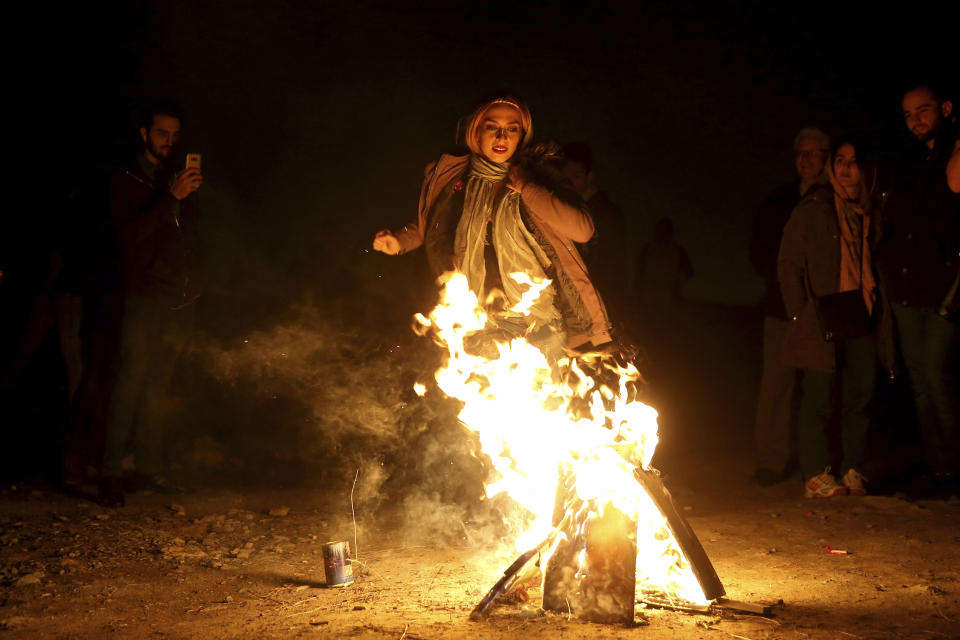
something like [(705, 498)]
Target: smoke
[(313, 401)]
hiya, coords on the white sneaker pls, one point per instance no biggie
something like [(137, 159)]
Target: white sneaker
[(855, 482), (823, 485)]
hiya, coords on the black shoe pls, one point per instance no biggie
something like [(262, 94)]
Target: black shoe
[(766, 477), (110, 493)]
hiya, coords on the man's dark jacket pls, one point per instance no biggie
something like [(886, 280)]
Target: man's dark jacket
[(917, 257), (768, 227), (158, 236)]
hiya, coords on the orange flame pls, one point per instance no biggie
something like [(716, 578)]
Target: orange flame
[(522, 415)]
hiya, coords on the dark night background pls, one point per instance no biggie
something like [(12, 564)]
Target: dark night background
[(315, 120)]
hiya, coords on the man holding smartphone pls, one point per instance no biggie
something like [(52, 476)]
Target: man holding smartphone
[(153, 203)]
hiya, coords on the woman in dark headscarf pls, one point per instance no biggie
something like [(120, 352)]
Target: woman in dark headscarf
[(826, 250), (491, 214)]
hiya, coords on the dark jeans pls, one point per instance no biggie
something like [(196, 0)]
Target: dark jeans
[(930, 345), (151, 340), (850, 389)]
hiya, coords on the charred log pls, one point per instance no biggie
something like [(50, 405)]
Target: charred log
[(687, 540)]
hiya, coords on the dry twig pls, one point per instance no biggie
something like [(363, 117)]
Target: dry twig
[(356, 550), (291, 605), (429, 586), (756, 617), (392, 549)]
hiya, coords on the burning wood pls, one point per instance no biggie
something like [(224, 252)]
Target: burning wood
[(687, 540), (611, 531), (594, 574)]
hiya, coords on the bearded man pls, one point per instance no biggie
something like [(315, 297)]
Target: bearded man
[(155, 213), (918, 261)]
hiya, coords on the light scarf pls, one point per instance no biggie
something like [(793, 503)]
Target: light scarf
[(516, 248), (856, 271)]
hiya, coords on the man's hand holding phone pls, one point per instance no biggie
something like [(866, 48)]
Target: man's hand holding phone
[(188, 180)]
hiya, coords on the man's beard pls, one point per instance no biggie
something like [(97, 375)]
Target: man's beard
[(929, 134), (162, 160)]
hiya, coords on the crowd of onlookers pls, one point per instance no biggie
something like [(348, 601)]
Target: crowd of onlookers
[(861, 257)]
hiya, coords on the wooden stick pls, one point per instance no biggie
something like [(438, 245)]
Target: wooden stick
[(686, 538), (746, 607)]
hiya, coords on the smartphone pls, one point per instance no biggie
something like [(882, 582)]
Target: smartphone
[(193, 161)]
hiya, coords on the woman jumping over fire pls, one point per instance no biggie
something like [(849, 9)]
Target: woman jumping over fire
[(502, 210)]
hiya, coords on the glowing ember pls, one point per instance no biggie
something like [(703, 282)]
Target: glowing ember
[(534, 422)]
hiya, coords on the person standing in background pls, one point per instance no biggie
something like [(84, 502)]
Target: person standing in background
[(606, 252), (776, 411), (917, 262), (155, 212)]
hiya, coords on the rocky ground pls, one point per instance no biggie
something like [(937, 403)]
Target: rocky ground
[(228, 564)]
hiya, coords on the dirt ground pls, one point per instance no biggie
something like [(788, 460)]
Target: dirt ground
[(217, 564), (222, 563)]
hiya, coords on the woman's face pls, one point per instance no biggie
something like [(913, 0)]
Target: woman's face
[(846, 169), (500, 132)]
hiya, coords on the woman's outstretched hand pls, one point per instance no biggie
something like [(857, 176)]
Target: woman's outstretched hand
[(517, 178), (386, 242)]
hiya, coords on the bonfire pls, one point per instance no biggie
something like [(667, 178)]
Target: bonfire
[(571, 443)]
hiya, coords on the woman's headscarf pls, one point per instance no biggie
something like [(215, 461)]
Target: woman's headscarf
[(853, 217), (516, 249)]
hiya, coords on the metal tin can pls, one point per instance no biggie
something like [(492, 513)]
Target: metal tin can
[(337, 568)]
